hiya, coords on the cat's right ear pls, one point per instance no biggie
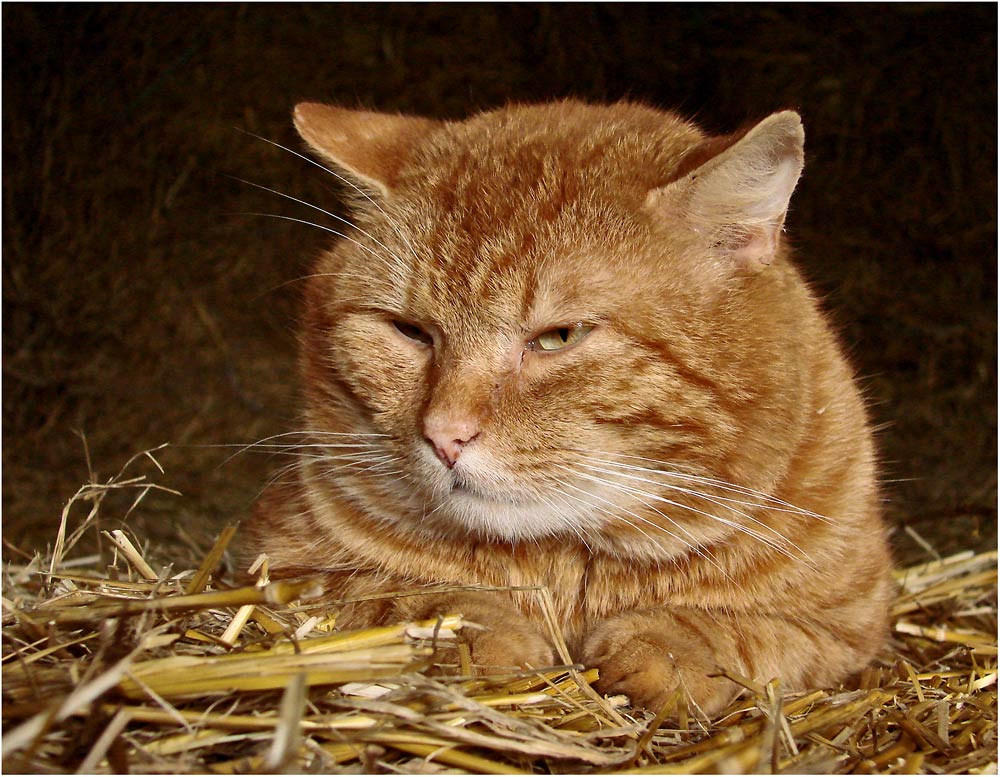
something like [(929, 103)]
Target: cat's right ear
[(735, 200), (368, 147)]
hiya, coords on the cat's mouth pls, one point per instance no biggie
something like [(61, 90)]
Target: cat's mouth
[(465, 487)]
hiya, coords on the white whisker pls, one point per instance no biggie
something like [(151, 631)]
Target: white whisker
[(628, 512), (394, 270), (692, 477), (623, 488), (718, 501), (694, 545), (349, 223), (579, 531), (266, 445), (399, 232)]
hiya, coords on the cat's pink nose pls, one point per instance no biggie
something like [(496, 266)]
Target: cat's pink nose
[(448, 436)]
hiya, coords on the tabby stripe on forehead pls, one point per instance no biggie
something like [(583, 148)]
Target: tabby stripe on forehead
[(530, 289), (448, 189), (506, 259)]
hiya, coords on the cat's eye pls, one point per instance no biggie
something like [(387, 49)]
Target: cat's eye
[(412, 332), (560, 337)]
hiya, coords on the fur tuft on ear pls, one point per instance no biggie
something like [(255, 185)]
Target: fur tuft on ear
[(737, 200), (367, 146)]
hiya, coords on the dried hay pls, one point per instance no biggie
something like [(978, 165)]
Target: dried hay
[(133, 666)]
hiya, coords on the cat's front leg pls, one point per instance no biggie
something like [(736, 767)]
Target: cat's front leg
[(648, 654)]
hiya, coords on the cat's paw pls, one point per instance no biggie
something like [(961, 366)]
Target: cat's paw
[(641, 656), (513, 646), (499, 635)]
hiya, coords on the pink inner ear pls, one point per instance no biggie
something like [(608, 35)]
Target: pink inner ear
[(756, 250)]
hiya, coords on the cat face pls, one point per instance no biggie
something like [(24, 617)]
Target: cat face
[(541, 324)]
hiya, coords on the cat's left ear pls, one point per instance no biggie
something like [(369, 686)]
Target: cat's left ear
[(736, 201), (367, 146)]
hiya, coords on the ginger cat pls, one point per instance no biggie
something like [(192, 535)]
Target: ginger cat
[(564, 345)]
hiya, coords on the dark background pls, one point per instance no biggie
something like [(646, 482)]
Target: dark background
[(138, 309)]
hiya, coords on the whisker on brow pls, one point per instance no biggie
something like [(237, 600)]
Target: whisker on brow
[(394, 270), (341, 219), (401, 233)]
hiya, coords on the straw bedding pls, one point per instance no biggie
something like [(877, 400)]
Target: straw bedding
[(119, 662)]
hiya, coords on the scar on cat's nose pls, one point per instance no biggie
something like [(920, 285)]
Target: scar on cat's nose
[(448, 436)]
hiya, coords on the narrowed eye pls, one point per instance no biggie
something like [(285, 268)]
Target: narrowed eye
[(413, 332), (560, 337)]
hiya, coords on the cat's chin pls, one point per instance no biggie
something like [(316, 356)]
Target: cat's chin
[(496, 520), (506, 520)]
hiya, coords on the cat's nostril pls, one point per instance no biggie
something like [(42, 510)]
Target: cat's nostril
[(448, 439), (449, 452)]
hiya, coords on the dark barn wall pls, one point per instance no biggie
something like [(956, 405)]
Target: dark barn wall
[(137, 309)]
